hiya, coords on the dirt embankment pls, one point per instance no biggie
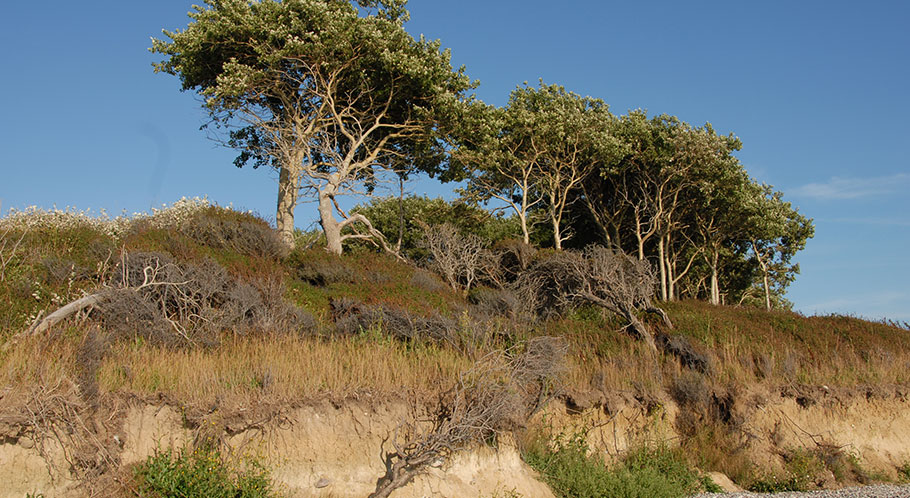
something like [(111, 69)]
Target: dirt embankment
[(334, 450)]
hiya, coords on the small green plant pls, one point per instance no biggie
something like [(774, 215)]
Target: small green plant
[(644, 472), (202, 473), (801, 468), (709, 485), (903, 472)]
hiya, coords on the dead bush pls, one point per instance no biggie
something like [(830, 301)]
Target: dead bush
[(427, 281), (59, 271), (353, 317), (458, 258), (127, 314), (688, 355), (499, 393), (609, 279), (496, 302), (322, 270), (151, 296), (690, 390), (514, 257)]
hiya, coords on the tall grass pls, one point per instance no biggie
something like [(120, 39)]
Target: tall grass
[(281, 369)]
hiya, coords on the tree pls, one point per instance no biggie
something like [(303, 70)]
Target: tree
[(535, 152), (407, 217), (777, 232), (324, 92), (503, 154)]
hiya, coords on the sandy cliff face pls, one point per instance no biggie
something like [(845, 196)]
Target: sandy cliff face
[(328, 450)]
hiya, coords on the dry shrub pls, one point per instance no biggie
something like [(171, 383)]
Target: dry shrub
[(56, 417), (164, 301), (499, 393), (459, 258), (600, 276), (59, 271), (245, 234), (427, 281), (321, 270), (514, 256), (353, 317), (686, 352), (496, 302)]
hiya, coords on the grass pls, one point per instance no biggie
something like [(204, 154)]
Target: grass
[(281, 369), (644, 472), (58, 262)]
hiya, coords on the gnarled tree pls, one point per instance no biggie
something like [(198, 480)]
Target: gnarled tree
[(323, 91)]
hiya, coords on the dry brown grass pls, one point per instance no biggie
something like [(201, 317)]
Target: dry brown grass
[(283, 369)]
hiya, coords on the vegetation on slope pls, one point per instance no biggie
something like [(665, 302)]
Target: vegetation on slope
[(284, 327)]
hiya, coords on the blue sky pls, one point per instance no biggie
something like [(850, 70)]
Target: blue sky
[(818, 92)]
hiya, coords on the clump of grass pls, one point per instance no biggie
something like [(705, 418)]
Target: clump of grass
[(903, 472), (802, 466), (201, 473), (644, 472)]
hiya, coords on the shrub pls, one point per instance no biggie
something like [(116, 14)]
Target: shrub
[(243, 233), (642, 473), (801, 467), (495, 302), (459, 258), (201, 473), (320, 268), (903, 472), (685, 351), (353, 317)]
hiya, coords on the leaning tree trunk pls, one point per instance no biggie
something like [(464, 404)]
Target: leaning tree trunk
[(331, 227), (288, 189)]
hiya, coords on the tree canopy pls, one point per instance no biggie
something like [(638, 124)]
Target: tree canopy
[(335, 94), (325, 91)]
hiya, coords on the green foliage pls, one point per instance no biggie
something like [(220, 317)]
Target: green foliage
[(903, 472), (309, 75), (201, 473), (417, 212), (642, 473), (533, 154), (801, 468)]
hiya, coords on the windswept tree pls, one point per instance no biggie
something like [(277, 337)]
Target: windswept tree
[(776, 232), (533, 154), (327, 92)]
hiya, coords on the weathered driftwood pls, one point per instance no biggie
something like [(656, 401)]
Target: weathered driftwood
[(63, 313)]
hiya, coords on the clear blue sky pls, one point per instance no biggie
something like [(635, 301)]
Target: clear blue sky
[(817, 90)]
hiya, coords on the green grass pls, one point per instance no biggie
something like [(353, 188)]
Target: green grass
[(645, 472)]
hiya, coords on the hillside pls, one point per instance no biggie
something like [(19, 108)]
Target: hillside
[(203, 323)]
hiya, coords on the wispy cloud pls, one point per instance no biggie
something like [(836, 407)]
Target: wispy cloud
[(854, 188)]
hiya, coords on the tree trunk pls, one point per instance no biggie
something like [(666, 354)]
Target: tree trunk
[(764, 269), (662, 265), (525, 232), (671, 273), (767, 291), (288, 189), (557, 236), (331, 227), (715, 283), (640, 239)]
